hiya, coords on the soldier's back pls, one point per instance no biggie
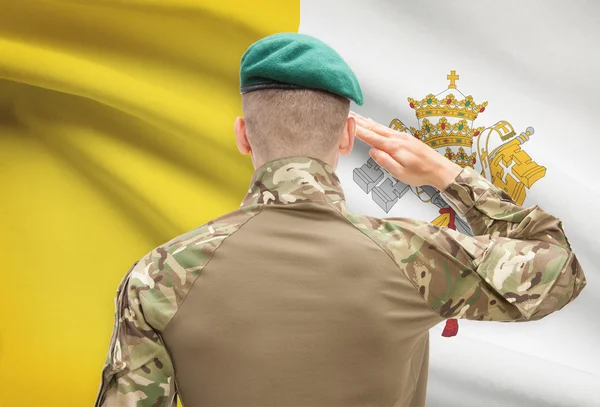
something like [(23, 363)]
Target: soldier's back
[(298, 307), (293, 300)]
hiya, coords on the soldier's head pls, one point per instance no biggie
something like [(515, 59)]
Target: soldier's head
[(296, 93)]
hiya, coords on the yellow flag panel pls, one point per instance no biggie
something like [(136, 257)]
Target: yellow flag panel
[(116, 134)]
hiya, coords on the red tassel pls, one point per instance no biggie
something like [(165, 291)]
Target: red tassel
[(450, 211), (451, 328)]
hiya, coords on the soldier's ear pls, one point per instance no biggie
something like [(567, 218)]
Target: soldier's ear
[(347, 140), (241, 138)]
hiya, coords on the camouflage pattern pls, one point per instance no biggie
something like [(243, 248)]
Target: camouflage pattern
[(518, 267), (295, 179), (503, 217), (138, 370), (531, 261)]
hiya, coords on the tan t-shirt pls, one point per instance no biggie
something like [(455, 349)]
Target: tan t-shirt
[(294, 301)]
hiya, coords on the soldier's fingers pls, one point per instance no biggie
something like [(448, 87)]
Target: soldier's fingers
[(388, 162), (370, 125), (378, 128), (374, 139)]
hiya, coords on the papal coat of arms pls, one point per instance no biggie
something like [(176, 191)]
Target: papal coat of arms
[(446, 123)]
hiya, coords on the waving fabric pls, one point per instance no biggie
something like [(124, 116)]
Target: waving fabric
[(116, 134)]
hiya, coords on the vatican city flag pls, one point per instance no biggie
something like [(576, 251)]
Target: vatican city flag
[(116, 135)]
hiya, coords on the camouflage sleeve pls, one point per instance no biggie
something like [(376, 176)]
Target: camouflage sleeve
[(491, 211), (519, 266), (138, 370)]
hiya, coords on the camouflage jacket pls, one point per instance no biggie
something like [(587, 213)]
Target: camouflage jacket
[(519, 266)]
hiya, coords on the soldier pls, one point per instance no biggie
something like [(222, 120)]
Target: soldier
[(292, 300)]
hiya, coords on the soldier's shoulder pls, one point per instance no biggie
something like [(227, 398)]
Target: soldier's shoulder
[(374, 223), (166, 274), (391, 230), (386, 230), (400, 238), (221, 227), (190, 251)]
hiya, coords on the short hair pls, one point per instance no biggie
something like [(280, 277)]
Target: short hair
[(294, 122)]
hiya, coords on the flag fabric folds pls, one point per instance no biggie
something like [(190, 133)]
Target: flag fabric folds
[(116, 134), (509, 89)]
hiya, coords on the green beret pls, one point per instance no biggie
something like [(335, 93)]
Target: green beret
[(296, 61)]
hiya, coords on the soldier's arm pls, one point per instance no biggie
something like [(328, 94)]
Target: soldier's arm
[(519, 266), (138, 370), (491, 211)]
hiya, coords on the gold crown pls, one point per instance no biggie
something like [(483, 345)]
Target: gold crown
[(444, 133), (457, 133), (448, 105)]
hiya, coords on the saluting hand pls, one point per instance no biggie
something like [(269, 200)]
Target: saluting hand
[(404, 156)]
